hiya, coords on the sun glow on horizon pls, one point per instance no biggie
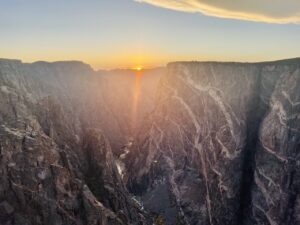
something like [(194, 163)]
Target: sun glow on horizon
[(139, 68)]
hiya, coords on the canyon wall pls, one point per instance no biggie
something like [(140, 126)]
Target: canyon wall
[(56, 163), (198, 143), (222, 146)]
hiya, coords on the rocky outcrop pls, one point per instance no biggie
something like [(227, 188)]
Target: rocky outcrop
[(222, 146)]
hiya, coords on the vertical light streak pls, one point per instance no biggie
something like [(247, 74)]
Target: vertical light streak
[(136, 99)]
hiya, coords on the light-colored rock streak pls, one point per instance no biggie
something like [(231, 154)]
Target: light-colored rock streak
[(201, 152), (263, 190), (279, 110), (13, 131), (226, 151), (179, 130), (222, 187), (153, 139), (269, 218), (175, 189), (288, 97), (190, 113), (267, 149), (270, 181), (212, 92), (157, 142)]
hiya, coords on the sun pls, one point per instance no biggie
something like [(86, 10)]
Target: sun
[(138, 68)]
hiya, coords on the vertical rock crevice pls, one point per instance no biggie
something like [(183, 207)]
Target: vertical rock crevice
[(255, 115)]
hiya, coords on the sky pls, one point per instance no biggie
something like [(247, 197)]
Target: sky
[(111, 34)]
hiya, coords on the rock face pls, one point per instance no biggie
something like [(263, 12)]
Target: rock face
[(219, 145), (56, 165), (222, 146)]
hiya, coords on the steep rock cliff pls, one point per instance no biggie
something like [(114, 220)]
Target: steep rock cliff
[(56, 165), (222, 146)]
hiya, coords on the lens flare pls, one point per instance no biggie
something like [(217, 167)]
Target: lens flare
[(136, 97)]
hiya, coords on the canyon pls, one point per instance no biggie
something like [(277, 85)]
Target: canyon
[(195, 143)]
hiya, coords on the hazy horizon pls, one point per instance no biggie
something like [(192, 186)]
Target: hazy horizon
[(148, 68)]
